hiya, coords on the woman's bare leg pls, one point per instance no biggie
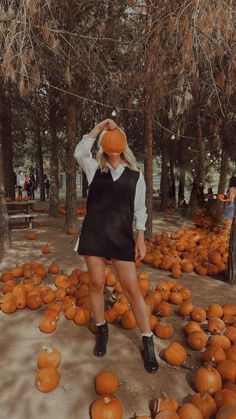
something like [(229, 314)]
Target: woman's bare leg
[(127, 275), (96, 270)]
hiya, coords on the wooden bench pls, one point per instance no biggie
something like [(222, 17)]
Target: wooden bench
[(27, 217)]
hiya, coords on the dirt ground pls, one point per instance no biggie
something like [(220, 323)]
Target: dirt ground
[(21, 341)]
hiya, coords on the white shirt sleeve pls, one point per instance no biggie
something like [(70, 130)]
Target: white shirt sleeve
[(84, 157), (140, 211)]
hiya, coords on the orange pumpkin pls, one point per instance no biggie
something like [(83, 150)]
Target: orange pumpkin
[(227, 370), (175, 354), (224, 397), (114, 141), (208, 380), (164, 330), (128, 320), (188, 410), (31, 235), (106, 407), (47, 324), (47, 379), (197, 340), (49, 357), (227, 412), (46, 249), (205, 404), (214, 354), (106, 382), (82, 316)]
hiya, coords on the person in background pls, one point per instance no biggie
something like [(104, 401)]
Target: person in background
[(47, 187), (229, 202)]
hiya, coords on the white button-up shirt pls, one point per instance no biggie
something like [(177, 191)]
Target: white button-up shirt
[(89, 165)]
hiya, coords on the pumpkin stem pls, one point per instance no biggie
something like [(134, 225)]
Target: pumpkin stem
[(107, 400)]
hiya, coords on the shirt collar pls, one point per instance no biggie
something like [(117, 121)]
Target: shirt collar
[(121, 165)]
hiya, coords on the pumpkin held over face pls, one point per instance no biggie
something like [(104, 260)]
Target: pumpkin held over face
[(113, 141)]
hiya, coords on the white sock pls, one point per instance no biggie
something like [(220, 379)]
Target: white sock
[(100, 324), (148, 335)]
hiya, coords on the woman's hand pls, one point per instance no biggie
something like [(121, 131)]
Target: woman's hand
[(140, 246), (108, 124)]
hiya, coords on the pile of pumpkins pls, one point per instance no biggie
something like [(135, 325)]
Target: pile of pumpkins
[(212, 331), (80, 210), (188, 250)]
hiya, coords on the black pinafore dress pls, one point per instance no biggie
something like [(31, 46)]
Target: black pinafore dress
[(107, 229)]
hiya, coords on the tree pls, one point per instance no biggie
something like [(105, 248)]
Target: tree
[(231, 277)]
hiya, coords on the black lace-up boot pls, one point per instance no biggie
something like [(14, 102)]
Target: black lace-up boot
[(101, 340), (148, 354)]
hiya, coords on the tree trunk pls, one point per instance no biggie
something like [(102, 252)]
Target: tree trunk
[(71, 164), (231, 277), (54, 162), (164, 186), (84, 185), (39, 152), (181, 183), (201, 149), (224, 168), (148, 171), (4, 228), (8, 172)]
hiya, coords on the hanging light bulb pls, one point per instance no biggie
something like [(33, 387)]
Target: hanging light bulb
[(189, 148), (191, 161), (208, 154), (173, 136), (113, 112)]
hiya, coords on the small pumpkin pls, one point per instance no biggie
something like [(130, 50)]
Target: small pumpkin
[(107, 407), (128, 320), (49, 357), (225, 396), (191, 327), (113, 141), (208, 380), (198, 314), (205, 403), (175, 354), (227, 412), (197, 340), (31, 235), (214, 354), (164, 330), (188, 410), (47, 379), (163, 309), (47, 324), (106, 382), (227, 370), (46, 249)]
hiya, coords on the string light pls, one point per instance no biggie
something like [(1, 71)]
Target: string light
[(173, 136), (113, 113)]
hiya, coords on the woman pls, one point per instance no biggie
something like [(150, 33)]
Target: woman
[(116, 195), (229, 201)]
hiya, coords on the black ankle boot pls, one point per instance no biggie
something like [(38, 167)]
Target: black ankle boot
[(101, 340), (148, 354)]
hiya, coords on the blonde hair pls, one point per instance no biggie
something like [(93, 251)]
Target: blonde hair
[(127, 155)]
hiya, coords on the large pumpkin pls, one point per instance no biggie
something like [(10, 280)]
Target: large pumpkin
[(106, 382), (107, 407), (114, 141), (47, 379)]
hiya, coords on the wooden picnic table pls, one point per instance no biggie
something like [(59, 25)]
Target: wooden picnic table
[(27, 205), (21, 210)]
